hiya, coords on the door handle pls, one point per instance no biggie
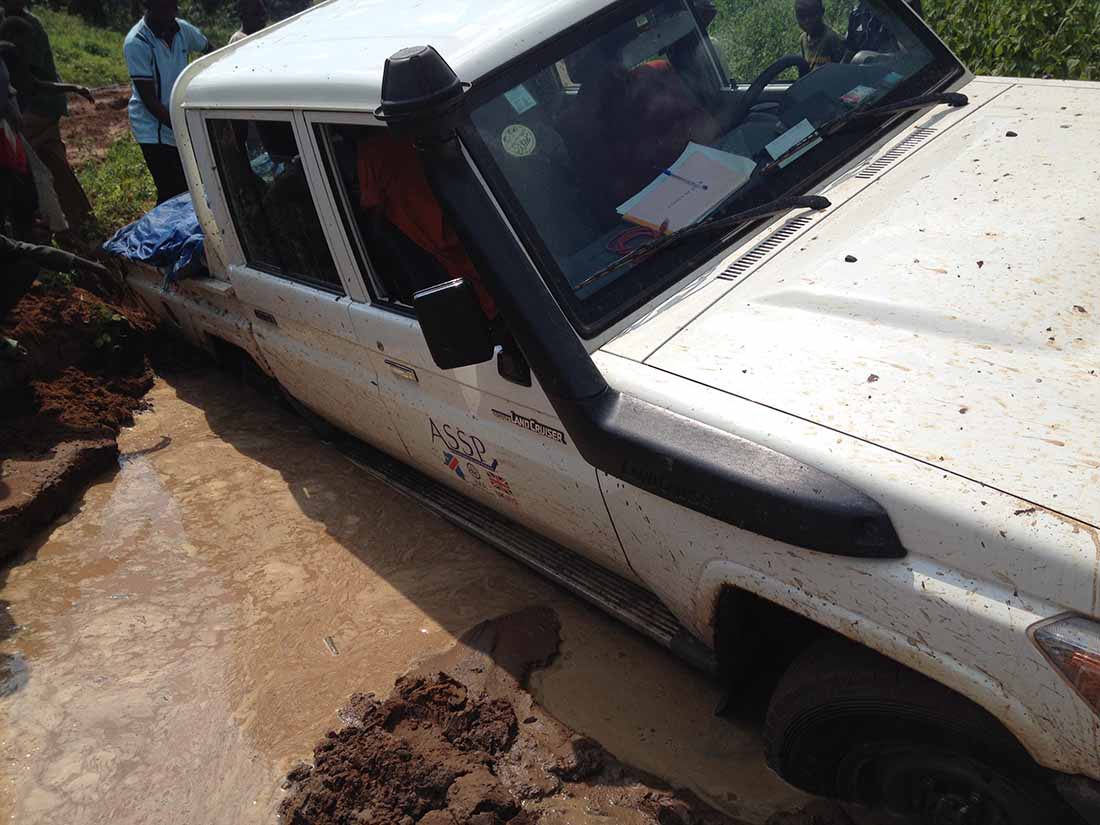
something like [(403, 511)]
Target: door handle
[(266, 317), (402, 372)]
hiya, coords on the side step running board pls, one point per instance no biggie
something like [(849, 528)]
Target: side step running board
[(628, 602)]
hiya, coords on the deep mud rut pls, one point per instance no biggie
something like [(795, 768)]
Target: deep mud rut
[(187, 634)]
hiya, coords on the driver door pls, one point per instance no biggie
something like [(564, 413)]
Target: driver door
[(486, 433)]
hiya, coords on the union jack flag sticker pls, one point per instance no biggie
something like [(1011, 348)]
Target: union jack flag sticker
[(500, 484)]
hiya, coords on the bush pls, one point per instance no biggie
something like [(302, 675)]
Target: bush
[(1037, 38), (1026, 38)]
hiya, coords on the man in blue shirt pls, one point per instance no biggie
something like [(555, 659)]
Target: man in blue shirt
[(157, 50)]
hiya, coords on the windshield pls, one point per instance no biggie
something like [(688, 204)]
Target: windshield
[(666, 115)]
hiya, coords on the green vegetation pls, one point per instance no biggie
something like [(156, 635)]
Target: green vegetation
[(1037, 38), (120, 187), (1056, 38), (107, 326), (750, 34), (1029, 38), (85, 54), (216, 18), (56, 281), (91, 55), (217, 23)]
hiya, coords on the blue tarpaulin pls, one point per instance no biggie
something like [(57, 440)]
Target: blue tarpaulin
[(168, 237)]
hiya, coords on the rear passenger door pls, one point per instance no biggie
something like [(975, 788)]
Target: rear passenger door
[(494, 439), (283, 268)]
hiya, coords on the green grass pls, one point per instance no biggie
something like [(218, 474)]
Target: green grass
[(120, 187), (88, 55)]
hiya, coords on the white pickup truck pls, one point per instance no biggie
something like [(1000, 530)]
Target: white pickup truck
[(799, 368)]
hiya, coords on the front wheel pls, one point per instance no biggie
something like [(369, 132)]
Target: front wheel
[(847, 723)]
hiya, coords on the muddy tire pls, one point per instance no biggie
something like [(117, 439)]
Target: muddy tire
[(847, 723)]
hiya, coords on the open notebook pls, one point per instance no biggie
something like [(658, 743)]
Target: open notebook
[(691, 188)]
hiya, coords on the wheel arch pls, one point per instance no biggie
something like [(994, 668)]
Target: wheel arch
[(728, 591)]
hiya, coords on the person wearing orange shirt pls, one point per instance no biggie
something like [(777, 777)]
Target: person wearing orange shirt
[(392, 179)]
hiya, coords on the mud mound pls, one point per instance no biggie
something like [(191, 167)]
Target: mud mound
[(62, 403), (459, 742)]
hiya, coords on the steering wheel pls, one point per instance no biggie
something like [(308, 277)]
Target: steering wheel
[(752, 94)]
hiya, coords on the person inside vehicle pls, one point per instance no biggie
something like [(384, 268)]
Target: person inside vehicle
[(819, 43), (253, 14), (394, 188), (868, 33), (631, 123)]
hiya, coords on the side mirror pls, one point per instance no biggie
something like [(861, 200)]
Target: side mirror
[(456, 329)]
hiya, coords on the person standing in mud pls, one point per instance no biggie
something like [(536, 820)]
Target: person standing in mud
[(42, 112), (157, 50), (19, 33), (18, 200)]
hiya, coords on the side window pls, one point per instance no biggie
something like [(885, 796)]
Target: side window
[(269, 199), (397, 227)]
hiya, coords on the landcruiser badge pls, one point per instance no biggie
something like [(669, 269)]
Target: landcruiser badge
[(518, 140), (537, 427)]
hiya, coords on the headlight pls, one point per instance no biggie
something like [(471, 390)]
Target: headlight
[(1072, 645)]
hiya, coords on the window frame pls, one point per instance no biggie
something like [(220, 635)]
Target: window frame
[(360, 265), (223, 212)]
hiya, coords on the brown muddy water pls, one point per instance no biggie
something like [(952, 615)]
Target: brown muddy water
[(186, 635)]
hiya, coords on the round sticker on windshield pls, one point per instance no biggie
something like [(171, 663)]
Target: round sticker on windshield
[(518, 141)]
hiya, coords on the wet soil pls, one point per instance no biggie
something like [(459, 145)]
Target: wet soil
[(176, 643), (92, 128), (62, 403), (460, 741)]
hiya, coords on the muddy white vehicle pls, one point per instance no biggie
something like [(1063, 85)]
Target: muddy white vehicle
[(801, 356)]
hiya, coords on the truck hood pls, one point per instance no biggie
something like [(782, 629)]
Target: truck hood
[(947, 307)]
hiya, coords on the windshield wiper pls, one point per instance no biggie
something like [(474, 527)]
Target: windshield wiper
[(953, 99), (711, 225)]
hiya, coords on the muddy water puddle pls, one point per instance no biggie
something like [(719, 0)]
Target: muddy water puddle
[(187, 634)]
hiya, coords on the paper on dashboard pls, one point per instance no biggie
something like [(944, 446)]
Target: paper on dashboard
[(691, 188)]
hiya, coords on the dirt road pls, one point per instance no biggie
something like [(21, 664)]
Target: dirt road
[(186, 636), (92, 128)]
